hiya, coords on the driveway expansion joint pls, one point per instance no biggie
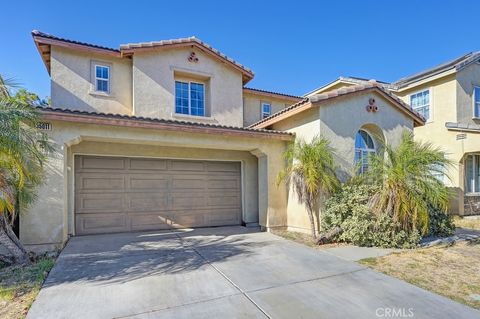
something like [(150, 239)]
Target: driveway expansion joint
[(230, 281)]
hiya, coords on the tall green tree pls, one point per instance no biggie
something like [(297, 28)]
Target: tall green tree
[(23, 151), (407, 176), (310, 171)]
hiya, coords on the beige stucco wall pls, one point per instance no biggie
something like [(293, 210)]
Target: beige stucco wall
[(154, 76), (49, 221), (72, 82), (339, 121), (467, 79), (252, 106)]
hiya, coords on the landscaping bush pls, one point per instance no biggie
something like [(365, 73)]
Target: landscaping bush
[(440, 223), (349, 210)]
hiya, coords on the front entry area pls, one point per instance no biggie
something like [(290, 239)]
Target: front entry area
[(123, 194)]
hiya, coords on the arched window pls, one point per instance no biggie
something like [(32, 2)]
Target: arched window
[(364, 146)]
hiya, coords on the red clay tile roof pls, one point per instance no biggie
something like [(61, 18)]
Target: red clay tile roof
[(342, 92), (45, 39), (273, 93), (165, 122), (36, 33)]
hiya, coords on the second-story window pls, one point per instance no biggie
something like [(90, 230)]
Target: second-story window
[(476, 102), (189, 98), (266, 110), (420, 102), (102, 78)]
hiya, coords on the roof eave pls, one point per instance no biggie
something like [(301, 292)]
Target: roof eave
[(41, 42), (247, 75), (125, 121), (308, 103), (272, 94)]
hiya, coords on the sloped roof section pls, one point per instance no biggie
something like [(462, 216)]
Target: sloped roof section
[(271, 93), (44, 41), (354, 80), (330, 95), (155, 123), (131, 48), (456, 64)]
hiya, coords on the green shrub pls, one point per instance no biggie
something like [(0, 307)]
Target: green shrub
[(440, 223), (349, 210)]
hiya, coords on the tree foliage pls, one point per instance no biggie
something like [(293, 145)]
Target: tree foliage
[(407, 182)]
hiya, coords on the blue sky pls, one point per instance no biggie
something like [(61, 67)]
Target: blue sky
[(292, 47)]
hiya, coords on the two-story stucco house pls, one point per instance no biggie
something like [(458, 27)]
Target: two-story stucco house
[(448, 97), (165, 134)]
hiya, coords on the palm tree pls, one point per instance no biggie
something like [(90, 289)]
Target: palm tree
[(310, 171), (23, 150), (408, 184)]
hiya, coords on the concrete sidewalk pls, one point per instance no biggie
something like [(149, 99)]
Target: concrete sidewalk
[(227, 272)]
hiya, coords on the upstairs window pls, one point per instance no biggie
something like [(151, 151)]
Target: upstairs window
[(102, 78), (364, 148), (476, 102), (190, 98), (266, 110), (420, 102)]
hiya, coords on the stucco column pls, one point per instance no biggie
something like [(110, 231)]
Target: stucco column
[(272, 199), (42, 226)]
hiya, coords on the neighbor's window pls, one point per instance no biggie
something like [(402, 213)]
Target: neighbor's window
[(472, 173), (266, 110), (476, 101), (102, 78), (438, 171), (190, 98), (364, 148), (420, 102)]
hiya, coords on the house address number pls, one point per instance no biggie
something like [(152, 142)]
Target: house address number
[(45, 126)]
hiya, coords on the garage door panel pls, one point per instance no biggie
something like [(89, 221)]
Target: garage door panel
[(188, 200), (93, 181), (177, 165), (87, 203), (148, 221), (180, 183), (147, 164), (128, 194), (145, 202), (225, 217), (225, 183), (145, 182), (223, 167), (232, 201), (101, 223), (99, 162)]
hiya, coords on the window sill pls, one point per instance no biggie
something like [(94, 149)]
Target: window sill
[(100, 94), (472, 194), (194, 118)]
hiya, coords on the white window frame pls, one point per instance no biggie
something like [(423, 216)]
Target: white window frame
[(368, 150), (102, 79), (265, 114), (190, 99), (476, 115), (430, 103), (474, 162)]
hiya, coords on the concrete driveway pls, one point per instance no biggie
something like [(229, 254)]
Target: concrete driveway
[(227, 272)]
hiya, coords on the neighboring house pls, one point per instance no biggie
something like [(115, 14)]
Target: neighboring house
[(448, 96), (165, 134)]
